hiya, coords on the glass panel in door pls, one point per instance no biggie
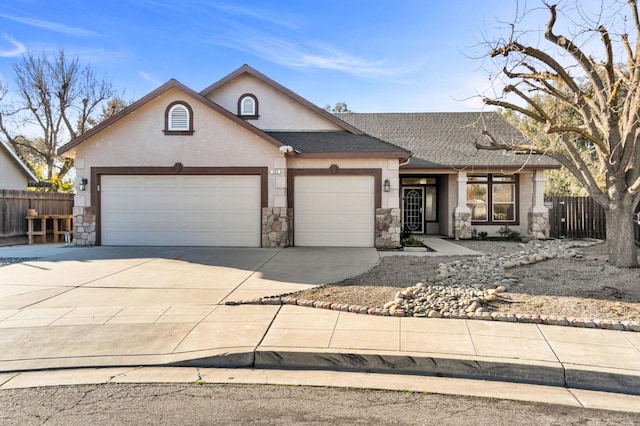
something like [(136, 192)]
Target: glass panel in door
[(412, 209), (430, 212)]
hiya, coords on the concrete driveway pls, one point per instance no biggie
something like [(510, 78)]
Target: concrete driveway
[(150, 305), (144, 276)]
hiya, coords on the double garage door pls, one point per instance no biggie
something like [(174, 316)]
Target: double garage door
[(169, 210), (180, 210)]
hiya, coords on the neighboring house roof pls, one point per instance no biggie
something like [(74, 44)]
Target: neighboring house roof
[(309, 143), (171, 84), (12, 155), (246, 69), (447, 139)]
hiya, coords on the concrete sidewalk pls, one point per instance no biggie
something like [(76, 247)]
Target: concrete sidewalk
[(122, 307)]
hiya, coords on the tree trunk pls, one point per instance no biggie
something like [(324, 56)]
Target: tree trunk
[(620, 236)]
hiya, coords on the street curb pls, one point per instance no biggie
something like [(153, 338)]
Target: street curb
[(480, 368), (548, 373), (532, 372)]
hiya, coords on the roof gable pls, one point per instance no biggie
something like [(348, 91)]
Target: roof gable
[(13, 157), (247, 71), (171, 84)]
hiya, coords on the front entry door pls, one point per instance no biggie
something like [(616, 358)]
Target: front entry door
[(413, 209)]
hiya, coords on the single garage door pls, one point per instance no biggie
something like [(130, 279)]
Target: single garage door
[(180, 210), (334, 211)]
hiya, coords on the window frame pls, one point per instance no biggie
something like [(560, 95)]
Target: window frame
[(241, 100), (492, 180), (167, 119)]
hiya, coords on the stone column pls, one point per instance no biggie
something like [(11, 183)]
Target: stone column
[(275, 227), (538, 216), (84, 226), (462, 213), (387, 228)]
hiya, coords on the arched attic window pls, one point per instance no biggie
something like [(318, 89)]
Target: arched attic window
[(178, 119), (248, 106)]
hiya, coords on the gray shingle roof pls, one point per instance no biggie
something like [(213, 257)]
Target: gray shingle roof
[(326, 142), (445, 139)]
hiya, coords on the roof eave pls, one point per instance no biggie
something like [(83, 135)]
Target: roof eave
[(391, 154), (484, 166)]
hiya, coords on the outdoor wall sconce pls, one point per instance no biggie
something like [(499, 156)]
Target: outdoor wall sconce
[(387, 185), (83, 184)]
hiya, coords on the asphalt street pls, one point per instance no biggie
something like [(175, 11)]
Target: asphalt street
[(203, 404)]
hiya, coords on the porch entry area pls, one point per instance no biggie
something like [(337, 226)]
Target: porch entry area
[(420, 204)]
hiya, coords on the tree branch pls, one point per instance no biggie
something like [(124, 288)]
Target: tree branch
[(587, 65)]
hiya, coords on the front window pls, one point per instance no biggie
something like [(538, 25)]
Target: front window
[(492, 198)]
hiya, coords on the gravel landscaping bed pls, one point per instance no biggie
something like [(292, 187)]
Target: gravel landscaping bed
[(553, 282)]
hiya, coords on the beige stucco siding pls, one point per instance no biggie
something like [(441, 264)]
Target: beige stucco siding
[(525, 201), (138, 140), (277, 111), (11, 175), (389, 170)]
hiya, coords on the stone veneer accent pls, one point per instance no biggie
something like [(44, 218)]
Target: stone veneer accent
[(539, 226), (277, 228), (84, 226), (387, 228), (462, 226)]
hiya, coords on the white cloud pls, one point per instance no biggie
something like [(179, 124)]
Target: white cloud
[(258, 14), (204, 9), (50, 25), (150, 78), (18, 48), (305, 55)]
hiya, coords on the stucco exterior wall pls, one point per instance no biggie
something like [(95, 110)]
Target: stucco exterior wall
[(389, 200), (448, 200), (138, 140), (524, 201), (11, 175), (277, 111)]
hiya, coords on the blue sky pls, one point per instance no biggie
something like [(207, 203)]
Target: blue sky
[(378, 56)]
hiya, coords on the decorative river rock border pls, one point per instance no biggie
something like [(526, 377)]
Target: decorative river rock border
[(462, 290)]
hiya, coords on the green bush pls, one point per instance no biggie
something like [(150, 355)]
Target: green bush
[(509, 234)]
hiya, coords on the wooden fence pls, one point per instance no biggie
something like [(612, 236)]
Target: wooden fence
[(14, 205), (576, 217), (581, 217)]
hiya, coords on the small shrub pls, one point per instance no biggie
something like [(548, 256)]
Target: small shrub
[(411, 242), (405, 233), (509, 234), (482, 235)]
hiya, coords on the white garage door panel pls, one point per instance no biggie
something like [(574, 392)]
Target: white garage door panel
[(334, 211), (181, 210)]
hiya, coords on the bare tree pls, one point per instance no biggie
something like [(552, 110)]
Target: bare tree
[(55, 101), (604, 93)]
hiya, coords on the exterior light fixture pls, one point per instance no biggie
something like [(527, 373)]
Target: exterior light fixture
[(83, 184), (387, 185)]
